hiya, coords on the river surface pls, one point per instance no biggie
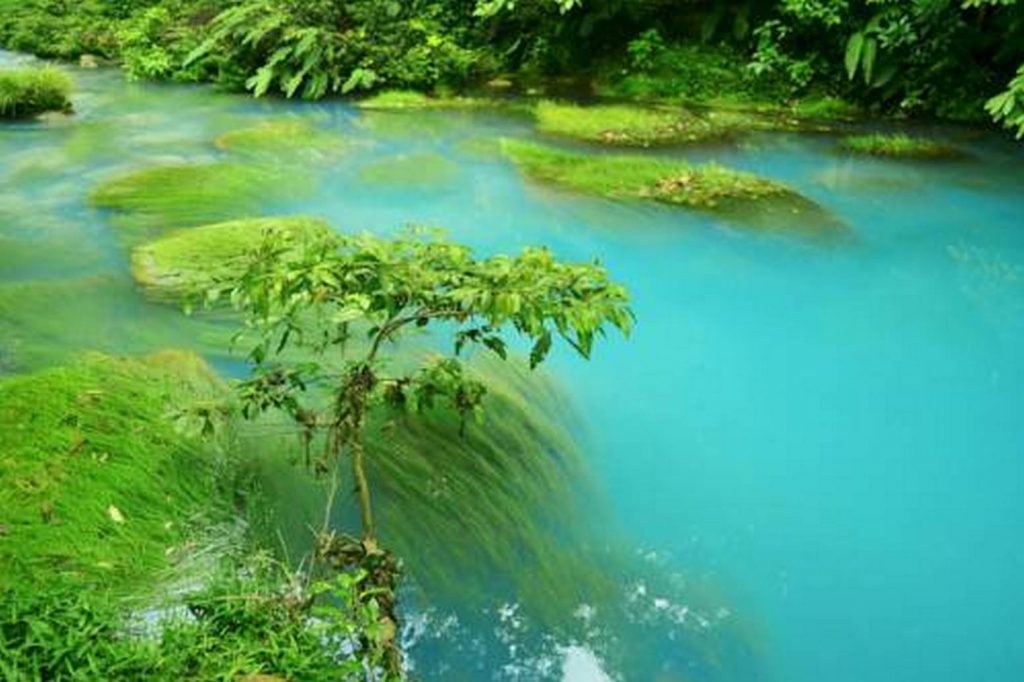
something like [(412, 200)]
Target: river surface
[(830, 431)]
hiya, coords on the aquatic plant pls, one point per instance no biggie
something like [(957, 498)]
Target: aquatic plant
[(191, 260), (897, 145), (411, 99), (98, 482), (25, 93), (152, 200), (414, 170), (282, 140)]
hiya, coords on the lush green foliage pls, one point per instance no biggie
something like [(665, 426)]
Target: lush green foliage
[(944, 57), (897, 145), (28, 92)]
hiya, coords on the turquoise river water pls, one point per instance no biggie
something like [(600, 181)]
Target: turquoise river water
[(829, 432)]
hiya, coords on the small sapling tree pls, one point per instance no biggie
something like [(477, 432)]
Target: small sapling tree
[(324, 316)]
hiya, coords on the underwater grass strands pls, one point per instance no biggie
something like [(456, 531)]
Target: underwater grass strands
[(152, 200), (423, 170), (285, 141), (25, 93)]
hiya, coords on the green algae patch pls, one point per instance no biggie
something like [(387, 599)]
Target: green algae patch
[(286, 140), (424, 170), (898, 146), (191, 260), (155, 199), (25, 93), (99, 478)]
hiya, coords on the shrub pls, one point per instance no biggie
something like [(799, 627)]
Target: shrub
[(29, 92)]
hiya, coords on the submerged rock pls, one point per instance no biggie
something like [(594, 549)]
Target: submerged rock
[(425, 170)]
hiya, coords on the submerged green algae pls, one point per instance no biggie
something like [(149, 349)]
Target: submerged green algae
[(285, 140), (155, 199), (188, 261), (424, 170), (97, 483), (898, 146)]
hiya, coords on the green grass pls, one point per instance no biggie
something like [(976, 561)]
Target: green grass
[(190, 260), (25, 93), (153, 200), (98, 484), (285, 140), (897, 145)]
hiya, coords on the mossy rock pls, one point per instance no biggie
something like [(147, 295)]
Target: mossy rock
[(741, 197), (425, 170), (190, 260), (153, 200), (898, 146), (25, 93), (287, 140), (98, 481), (626, 125)]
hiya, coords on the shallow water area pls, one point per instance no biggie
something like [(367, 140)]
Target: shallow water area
[(824, 436)]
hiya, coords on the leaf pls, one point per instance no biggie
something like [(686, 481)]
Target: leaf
[(868, 58), (115, 514), (853, 49), (540, 349)]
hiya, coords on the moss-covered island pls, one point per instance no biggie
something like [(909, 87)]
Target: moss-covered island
[(25, 93), (741, 196), (898, 146), (187, 261)]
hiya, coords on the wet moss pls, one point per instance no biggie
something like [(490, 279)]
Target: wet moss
[(188, 261), (153, 200), (97, 482), (284, 140), (897, 146), (414, 170), (25, 93)]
